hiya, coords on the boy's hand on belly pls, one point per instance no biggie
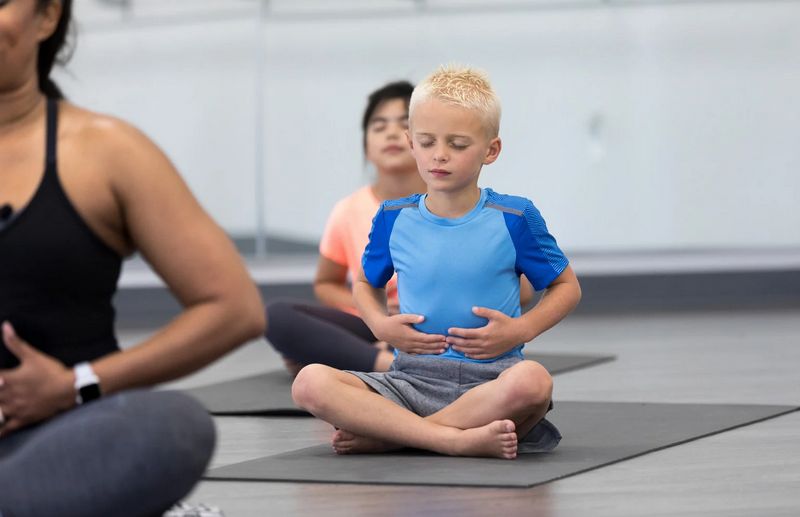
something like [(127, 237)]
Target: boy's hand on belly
[(399, 332), (502, 334)]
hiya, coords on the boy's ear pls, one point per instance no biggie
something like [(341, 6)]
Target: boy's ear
[(408, 137), (495, 146)]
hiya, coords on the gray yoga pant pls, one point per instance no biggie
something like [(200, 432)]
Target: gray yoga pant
[(133, 454)]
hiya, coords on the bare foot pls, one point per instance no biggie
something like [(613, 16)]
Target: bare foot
[(496, 440), (345, 442)]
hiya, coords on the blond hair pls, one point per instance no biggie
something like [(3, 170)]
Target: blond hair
[(467, 87)]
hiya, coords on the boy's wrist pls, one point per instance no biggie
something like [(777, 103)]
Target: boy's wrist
[(524, 332), (378, 324)]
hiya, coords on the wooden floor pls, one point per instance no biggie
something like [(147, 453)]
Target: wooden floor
[(725, 357)]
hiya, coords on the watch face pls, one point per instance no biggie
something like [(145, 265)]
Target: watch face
[(89, 393)]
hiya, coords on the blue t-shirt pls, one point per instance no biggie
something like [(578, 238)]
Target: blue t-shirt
[(445, 267)]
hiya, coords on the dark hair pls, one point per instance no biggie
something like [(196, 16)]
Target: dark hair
[(50, 48), (397, 90)]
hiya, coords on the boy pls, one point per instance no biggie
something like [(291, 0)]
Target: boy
[(458, 384)]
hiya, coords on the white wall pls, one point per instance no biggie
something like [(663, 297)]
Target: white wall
[(655, 127)]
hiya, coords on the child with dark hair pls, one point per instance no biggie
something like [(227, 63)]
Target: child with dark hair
[(333, 333)]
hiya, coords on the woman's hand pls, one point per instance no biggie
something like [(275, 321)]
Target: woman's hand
[(399, 332), (38, 389), (502, 334)]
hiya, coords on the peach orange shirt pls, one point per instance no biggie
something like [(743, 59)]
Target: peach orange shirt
[(347, 234)]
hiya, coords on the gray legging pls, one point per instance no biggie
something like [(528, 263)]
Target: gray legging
[(133, 454)]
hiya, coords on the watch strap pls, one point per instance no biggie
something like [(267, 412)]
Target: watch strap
[(87, 384)]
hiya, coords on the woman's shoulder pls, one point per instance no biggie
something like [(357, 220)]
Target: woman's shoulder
[(101, 131), (109, 144)]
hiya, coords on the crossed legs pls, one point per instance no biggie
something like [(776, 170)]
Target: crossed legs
[(485, 421)]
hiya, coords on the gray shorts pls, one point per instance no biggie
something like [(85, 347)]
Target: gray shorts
[(426, 385)]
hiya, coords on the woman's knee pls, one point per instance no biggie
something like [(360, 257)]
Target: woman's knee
[(154, 448), (177, 430)]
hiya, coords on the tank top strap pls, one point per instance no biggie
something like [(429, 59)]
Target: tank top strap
[(52, 131)]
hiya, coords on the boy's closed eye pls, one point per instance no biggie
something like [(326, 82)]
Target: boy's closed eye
[(457, 146), (459, 142)]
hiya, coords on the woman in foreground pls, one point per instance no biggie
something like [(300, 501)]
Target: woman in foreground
[(79, 192)]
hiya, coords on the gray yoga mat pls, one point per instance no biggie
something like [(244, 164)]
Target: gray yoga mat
[(270, 394), (595, 434)]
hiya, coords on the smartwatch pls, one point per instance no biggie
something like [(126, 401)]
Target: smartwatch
[(87, 384)]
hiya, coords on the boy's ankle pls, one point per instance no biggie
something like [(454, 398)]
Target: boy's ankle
[(450, 442)]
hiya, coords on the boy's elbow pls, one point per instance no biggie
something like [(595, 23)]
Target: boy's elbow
[(577, 293)]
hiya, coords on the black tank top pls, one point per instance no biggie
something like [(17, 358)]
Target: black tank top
[(57, 278)]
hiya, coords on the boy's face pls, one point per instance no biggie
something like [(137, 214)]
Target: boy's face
[(450, 146)]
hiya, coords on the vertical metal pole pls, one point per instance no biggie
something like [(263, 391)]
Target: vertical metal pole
[(260, 180)]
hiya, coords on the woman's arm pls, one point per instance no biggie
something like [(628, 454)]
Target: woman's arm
[(194, 256), (330, 285), (153, 210)]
